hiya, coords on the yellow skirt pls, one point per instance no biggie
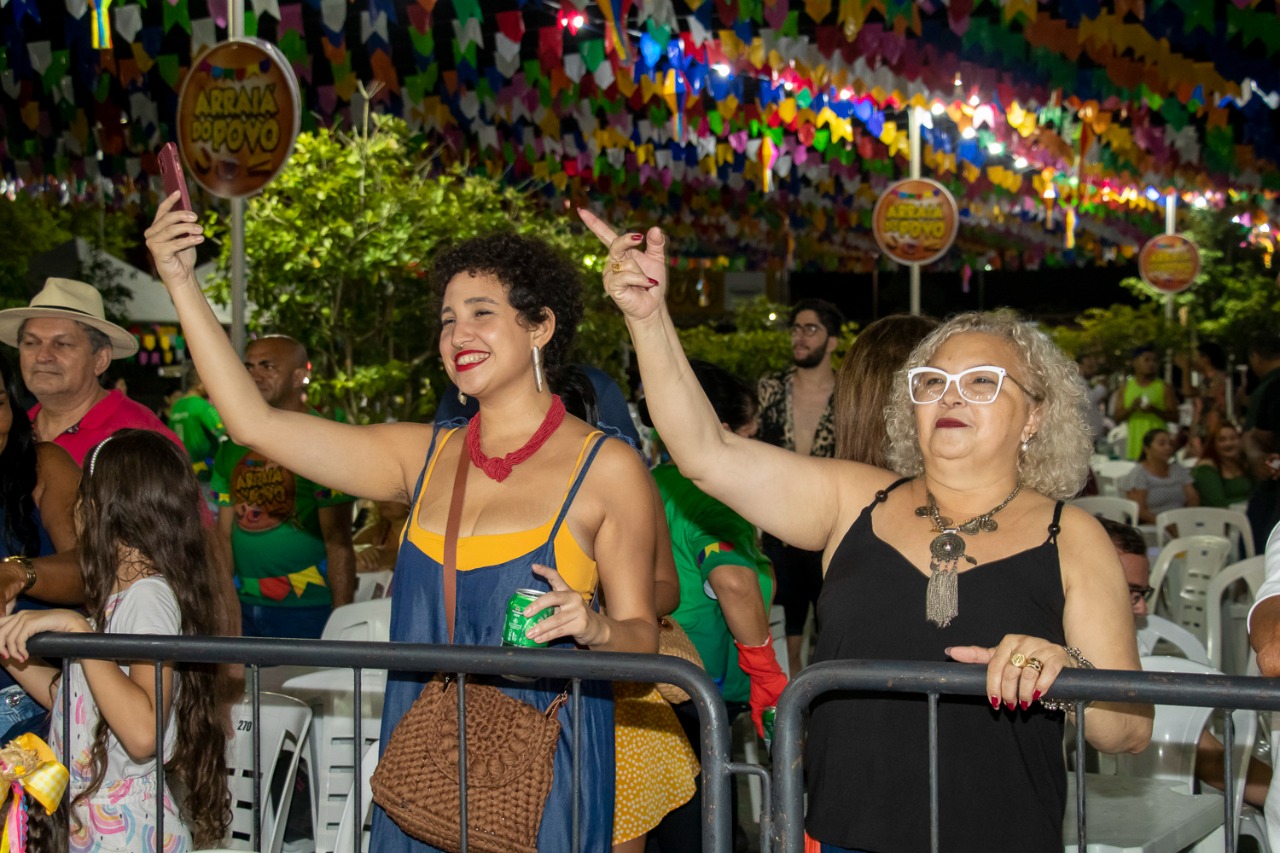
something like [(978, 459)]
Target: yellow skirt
[(656, 765)]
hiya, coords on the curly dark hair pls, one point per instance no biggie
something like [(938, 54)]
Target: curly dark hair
[(536, 276), (18, 474), (138, 491)]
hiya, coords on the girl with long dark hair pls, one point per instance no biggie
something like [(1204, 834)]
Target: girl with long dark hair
[(146, 571)]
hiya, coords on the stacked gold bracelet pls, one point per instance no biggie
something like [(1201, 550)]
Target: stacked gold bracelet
[(27, 566)]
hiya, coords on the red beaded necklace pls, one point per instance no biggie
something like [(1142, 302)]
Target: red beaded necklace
[(499, 468)]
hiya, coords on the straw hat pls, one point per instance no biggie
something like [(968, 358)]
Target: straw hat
[(64, 298)]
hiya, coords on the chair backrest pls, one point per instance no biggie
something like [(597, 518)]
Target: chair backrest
[(1180, 577), (1206, 520), (1109, 473), (1153, 629), (283, 728), (347, 826), (1118, 441), (1171, 755), (1122, 510), (362, 620), (371, 585), (1249, 571)]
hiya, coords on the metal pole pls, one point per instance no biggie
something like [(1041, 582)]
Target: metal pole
[(1170, 227), (913, 126), (235, 29)]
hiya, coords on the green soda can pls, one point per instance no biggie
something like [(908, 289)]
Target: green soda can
[(517, 623), (767, 716)]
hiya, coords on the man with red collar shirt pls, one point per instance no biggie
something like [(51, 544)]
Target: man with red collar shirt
[(64, 344)]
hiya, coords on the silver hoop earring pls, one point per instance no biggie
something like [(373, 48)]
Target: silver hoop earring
[(462, 398), (537, 368)]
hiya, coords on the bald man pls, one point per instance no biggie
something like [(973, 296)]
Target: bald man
[(290, 538)]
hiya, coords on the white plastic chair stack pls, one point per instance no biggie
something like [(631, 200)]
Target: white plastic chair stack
[(1154, 630), (371, 585), (1109, 473), (1180, 577), (329, 694), (283, 727), (359, 621), (345, 839), (1226, 629), (1122, 510), (1171, 754), (1207, 521)]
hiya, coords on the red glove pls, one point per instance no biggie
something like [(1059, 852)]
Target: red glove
[(767, 680)]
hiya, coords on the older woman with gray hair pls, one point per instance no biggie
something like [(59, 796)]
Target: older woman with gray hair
[(967, 553)]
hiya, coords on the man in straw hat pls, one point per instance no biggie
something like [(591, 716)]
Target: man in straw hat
[(65, 342)]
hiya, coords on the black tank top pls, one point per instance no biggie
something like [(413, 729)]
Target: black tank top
[(1002, 781)]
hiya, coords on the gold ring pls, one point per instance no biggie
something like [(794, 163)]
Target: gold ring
[(1035, 664), (617, 266), (1018, 660)]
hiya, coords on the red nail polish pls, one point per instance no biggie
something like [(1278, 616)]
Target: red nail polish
[(1025, 704), (995, 702), (653, 281), (637, 237), (1036, 695), (1009, 705)]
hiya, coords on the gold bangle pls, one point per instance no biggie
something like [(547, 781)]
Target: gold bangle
[(27, 566)]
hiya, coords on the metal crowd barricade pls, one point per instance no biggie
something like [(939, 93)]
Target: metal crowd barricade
[(574, 666), (1227, 693)]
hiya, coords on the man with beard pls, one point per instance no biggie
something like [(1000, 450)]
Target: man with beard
[(795, 413)]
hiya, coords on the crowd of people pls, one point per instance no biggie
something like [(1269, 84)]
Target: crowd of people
[(911, 505)]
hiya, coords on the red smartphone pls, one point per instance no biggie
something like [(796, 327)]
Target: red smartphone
[(172, 175)]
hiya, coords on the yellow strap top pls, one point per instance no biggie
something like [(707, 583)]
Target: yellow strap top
[(478, 551)]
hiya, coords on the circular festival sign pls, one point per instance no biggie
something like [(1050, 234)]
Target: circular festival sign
[(238, 116), (915, 221), (1169, 263)]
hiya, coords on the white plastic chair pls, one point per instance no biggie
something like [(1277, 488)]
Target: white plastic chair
[(1171, 755), (1207, 520), (359, 621), (371, 585), (1153, 630), (345, 840), (1122, 510), (331, 756), (283, 727), (1234, 645), (1108, 475), (1180, 577), (1118, 441)]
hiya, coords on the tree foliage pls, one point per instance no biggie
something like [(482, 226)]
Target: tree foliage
[(337, 250), (1233, 298)]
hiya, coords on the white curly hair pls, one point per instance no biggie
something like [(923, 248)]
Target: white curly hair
[(1056, 462)]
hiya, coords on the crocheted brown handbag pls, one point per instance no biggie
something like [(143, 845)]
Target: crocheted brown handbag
[(510, 752), (672, 640)]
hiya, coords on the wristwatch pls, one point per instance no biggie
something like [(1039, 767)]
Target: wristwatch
[(28, 566)]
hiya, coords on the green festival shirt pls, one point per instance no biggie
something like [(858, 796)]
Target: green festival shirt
[(705, 534), (276, 541), (198, 424)]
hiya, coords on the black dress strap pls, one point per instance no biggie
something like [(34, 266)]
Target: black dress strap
[(883, 494), (1054, 527)]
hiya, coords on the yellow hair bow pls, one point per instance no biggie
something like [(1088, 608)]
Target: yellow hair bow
[(30, 767)]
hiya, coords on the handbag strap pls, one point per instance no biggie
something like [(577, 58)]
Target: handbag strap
[(451, 541)]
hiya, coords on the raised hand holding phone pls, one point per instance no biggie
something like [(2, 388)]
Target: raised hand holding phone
[(175, 180)]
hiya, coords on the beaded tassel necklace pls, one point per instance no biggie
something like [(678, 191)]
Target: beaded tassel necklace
[(942, 596)]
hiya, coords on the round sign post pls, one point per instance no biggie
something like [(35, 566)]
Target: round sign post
[(915, 221), (238, 116), (1169, 263)]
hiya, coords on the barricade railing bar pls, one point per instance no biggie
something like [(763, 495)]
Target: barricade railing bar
[(464, 661), (1227, 693)]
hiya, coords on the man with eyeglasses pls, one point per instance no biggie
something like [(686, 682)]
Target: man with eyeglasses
[(795, 413), (1135, 559)]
